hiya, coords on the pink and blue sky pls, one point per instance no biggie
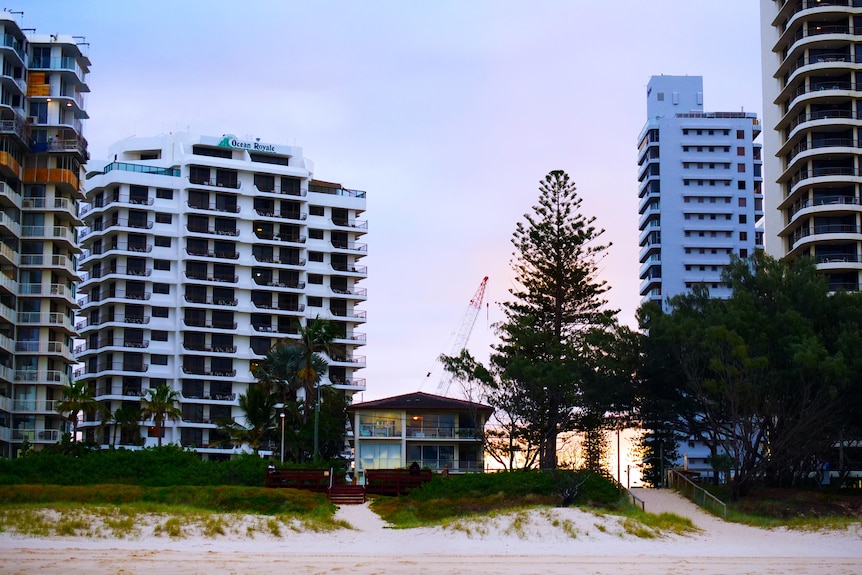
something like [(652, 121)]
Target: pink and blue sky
[(448, 113)]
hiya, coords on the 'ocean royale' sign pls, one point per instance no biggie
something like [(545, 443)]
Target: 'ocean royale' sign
[(235, 143)]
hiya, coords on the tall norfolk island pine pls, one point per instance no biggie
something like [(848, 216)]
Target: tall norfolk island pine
[(558, 308)]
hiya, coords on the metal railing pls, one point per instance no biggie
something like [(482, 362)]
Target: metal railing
[(699, 495)]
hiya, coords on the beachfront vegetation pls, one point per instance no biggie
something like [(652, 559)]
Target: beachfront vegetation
[(446, 499), (562, 361), (768, 378)]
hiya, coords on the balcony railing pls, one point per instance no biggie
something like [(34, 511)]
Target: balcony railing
[(209, 325), (208, 373), (288, 238), (133, 319), (212, 231), (824, 201), (283, 215), (213, 254), (269, 282), (41, 347), (117, 366), (805, 231), (112, 342), (353, 246), (822, 172), (36, 435), (41, 376), (211, 278), (294, 261), (34, 405), (118, 270), (274, 189), (213, 349), (838, 259), (142, 169), (824, 143), (348, 223), (443, 432), (101, 250), (214, 207), (215, 183), (349, 268), (210, 301)]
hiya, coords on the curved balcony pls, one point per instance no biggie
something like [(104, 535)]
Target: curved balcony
[(215, 183), (213, 254), (87, 323), (126, 200), (210, 207), (115, 223), (212, 231), (269, 282), (137, 272), (208, 373), (807, 235), (276, 189), (296, 262), (277, 214), (117, 247), (209, 301), (287, 238), (9, 197), (211, 278), (210, 349), (810, 177), (10, 226), (102, 366), (111, 342), (359, 249), (359, 293), (61, 177), (41, 376), (211, 325), (349, 269)]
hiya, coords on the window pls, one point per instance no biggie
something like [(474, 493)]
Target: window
[(315, 256), (660, 96), (740, 185), (740, 134), (163, 265), (158, 359), (160, 312), (159, 335), (740, 168), (315, 279), (164, 194), (740, 150), (316, 210), (741, 202), (743, 236), (743, 219), (743, 253), (315, 234), (162, 242), (315, 301), (684, 148), (700, 132), (711, 133), (162, 288), (685, 133), (162, 218), (212, 152)]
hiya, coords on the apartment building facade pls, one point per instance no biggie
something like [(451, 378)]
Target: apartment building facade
[(43, 80), (200, 254), (699, 190), (811, 52)]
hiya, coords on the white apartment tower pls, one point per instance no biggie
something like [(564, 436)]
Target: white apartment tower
[(699, 189), (42, 84), (812, 104), (200, 254)]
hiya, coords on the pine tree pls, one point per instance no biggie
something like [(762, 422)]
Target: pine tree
[(559, 300)]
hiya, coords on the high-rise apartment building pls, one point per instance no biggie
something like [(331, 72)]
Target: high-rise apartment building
[(813, 114), (200, 254), (699, 188), (42, 85)]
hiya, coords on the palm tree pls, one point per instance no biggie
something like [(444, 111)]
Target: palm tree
[(278, 371), (77, 397), (125, 418), (315, 337), (160, 405), (258, 405)]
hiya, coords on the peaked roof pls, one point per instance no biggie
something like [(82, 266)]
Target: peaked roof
[(421, 401)]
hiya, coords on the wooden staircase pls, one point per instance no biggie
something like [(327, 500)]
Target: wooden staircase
[(347, 494)]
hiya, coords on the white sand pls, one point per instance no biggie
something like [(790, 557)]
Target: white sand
[(549, 542)]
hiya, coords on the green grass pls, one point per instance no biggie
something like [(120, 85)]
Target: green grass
[(122, 511)]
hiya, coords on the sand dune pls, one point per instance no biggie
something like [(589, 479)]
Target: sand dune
[(546, 541)]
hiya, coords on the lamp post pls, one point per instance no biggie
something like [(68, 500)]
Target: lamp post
[(281, 415), (317, 424)]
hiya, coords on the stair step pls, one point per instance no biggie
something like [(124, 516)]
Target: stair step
[(347, 494)]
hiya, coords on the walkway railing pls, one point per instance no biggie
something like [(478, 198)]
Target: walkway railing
[(699, 495)]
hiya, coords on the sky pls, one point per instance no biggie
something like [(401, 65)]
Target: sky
[(447, 113)]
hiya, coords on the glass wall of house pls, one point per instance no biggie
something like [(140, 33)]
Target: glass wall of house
[(380, 424)]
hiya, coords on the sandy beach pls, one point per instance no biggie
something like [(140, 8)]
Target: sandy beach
[(546, 541)]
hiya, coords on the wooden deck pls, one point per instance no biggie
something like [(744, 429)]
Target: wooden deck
[(395, 481)]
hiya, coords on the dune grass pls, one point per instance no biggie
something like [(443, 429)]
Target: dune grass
[(124, 511)]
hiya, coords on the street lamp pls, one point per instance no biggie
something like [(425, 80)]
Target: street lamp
[(317, 424), (281, 415)]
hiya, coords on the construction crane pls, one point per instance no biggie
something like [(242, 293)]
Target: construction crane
[(463, 335)]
